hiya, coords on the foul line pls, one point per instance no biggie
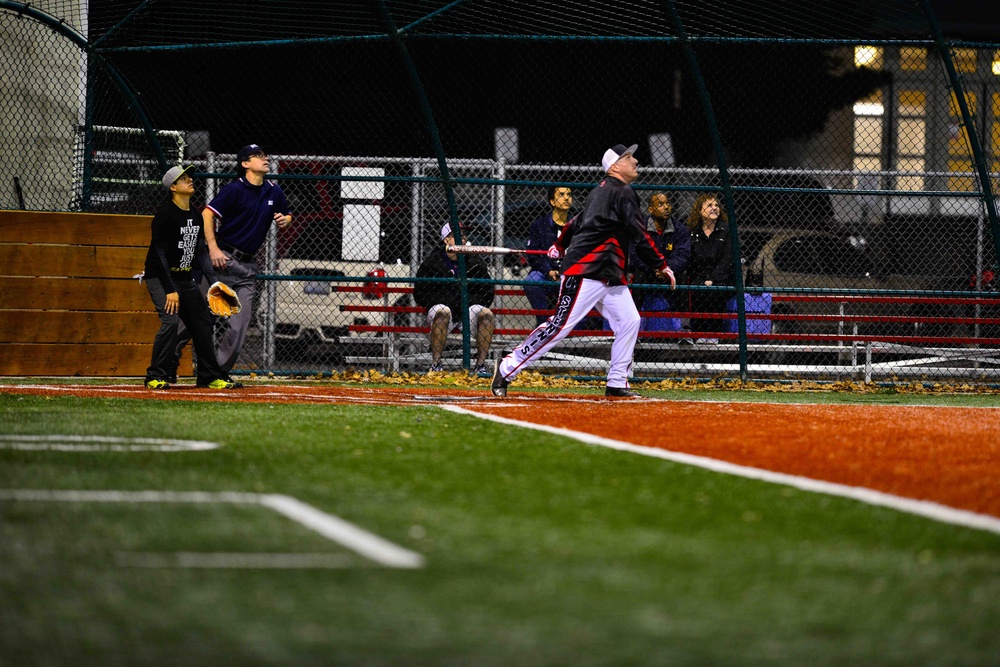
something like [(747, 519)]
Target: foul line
[(924, 508), (101, 443), (242, 561), (332, 527)]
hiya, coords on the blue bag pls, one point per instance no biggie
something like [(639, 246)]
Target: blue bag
[(755, 303)]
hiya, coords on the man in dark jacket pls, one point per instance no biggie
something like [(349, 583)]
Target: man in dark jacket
[(443, 299), (673, 240), (541, 235), (594, 247)]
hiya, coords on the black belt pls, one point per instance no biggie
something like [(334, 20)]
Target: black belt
[(238, 255)]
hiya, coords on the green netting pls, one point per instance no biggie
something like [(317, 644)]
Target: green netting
[(864, 244)]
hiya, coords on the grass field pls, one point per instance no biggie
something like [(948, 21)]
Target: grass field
[(537, 549)]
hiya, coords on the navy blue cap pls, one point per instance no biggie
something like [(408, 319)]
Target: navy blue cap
[(244, 154)]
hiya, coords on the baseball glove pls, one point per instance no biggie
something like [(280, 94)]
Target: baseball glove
[(222, 300)]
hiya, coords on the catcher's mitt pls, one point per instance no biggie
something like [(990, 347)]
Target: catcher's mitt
[(222, 300)]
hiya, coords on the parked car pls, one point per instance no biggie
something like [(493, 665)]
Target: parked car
[(312, 322), (814, 259)]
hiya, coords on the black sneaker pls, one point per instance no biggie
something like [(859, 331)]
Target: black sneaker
[(480, 371), (621, 392), (499, 387)]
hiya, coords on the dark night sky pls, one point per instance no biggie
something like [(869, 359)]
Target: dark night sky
[(564, 97)]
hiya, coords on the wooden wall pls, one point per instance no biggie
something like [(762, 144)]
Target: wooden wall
[(68, 302)]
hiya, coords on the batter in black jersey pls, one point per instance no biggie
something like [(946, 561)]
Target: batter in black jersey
[(595, 246)]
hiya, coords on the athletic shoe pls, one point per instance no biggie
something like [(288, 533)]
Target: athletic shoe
[(222, 383), (621, 392), (480, 371), (499, 387), (157, 384), (436, 367), (710, 341), (686, 341)]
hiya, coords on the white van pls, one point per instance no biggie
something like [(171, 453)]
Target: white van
[(314, 317)]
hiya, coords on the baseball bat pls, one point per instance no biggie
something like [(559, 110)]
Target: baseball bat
[(492, 250)]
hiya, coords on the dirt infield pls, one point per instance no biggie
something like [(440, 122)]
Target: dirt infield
[(949, 455)]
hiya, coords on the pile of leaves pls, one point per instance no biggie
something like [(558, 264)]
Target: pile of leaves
[(568, 382)]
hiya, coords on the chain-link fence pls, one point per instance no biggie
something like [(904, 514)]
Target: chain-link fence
[(852, 152)]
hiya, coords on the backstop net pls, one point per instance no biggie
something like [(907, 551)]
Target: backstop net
[(851, 149)]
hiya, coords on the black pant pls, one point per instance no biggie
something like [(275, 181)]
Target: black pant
[(708, 302), (193, 311)]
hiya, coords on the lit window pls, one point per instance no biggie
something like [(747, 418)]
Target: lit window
[(963, 182), (867, 135), (965, 59), (911, 103), (866, 168), (868, 56), (870, 106), (910, 182), (911, 139), (996, 63), (913, 59), (869, 138), (911, 136), (994, 121)]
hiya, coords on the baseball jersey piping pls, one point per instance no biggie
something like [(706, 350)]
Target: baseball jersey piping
[(546, 332)]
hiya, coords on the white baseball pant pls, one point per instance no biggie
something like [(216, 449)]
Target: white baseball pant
[(577, 296)]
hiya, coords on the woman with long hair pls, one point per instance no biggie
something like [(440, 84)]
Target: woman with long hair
[(711, 262)]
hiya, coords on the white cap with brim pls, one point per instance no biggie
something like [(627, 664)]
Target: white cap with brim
[(174, 173), (446, 230), (615, 153)]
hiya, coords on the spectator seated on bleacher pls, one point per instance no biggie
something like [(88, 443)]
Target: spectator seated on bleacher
[(541, 236), (711, 264), (673, 240), (442, 302)]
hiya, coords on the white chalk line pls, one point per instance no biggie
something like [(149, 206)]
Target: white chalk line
[(234, 560), (101, 443), (102, 391), (332, 527), (923, 508)]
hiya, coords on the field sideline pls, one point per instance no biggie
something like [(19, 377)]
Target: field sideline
[(534, 548)]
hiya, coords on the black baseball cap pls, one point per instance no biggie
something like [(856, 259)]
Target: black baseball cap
[(251, 149)]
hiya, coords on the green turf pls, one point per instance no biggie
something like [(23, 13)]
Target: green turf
[(539, 551)]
